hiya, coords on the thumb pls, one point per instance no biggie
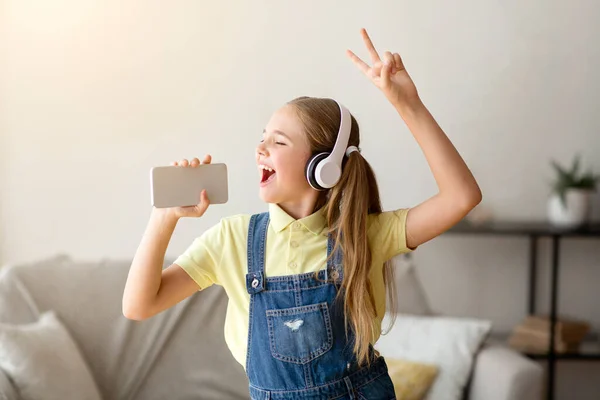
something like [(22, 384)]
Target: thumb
[(204, 202)]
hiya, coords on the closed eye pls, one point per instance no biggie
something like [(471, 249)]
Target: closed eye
[(279, 143)]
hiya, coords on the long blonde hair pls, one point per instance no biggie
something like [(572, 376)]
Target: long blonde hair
[(347, 206)]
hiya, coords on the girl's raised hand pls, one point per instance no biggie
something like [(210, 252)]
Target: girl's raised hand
[(388, 74)]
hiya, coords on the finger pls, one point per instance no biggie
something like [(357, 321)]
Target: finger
[(385, 74), (370, 47), (174, 163), (358, 62), (204, 202), (398, 62), (184, 162), (388, 59), (194, 162), (204, 197), (207, 159)]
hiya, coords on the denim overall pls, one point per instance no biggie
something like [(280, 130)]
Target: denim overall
[(297, 345)]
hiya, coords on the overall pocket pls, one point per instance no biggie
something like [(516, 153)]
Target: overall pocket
[(300, 334)]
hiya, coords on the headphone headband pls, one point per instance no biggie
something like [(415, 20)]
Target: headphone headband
[(339, 149)]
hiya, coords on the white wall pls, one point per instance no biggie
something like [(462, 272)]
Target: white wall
[(94, 94)]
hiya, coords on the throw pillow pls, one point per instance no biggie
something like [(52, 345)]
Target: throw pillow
[(44, 362), (411, 379), (450, 343)]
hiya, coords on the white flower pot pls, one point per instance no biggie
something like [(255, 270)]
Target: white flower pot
[(576, 211)]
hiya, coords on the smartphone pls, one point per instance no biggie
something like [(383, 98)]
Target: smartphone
[(177, 186)]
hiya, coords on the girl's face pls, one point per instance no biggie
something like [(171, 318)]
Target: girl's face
[(281, 157)]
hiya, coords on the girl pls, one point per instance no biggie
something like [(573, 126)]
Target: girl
[(307, 280)]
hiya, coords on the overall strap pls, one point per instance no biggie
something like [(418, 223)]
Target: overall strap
[(257, 236)]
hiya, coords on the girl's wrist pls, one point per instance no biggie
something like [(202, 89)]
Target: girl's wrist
[(166, 215), (410, 108)]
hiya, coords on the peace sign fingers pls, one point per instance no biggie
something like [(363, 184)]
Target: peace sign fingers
[(369, 44), (374, 70), (386, 72)]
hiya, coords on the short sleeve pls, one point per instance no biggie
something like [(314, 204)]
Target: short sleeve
[(201, 260), (387, 233)]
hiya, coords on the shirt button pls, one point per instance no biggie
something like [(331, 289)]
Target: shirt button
[(297, 225), (293, 265), (294, 244)]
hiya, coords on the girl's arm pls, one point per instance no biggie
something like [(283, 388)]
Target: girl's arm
[(458, 191), (146, 277), (150, 289)]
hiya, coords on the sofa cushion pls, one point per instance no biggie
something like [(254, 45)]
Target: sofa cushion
[(180, 350), (44, 362), (17, 306), (450, 343), (7, 390)]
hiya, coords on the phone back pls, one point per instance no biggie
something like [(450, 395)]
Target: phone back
[(176, 186)]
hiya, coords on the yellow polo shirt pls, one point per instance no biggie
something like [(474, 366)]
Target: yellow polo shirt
[(219, 256)]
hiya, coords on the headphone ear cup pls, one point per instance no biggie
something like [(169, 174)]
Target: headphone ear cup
[(311, 167)]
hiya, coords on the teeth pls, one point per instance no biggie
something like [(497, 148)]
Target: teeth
[(266, 168)]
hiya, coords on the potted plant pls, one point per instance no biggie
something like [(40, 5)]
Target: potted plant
[(569, 202)]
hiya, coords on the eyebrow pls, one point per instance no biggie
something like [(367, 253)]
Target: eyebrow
[(280, 133)]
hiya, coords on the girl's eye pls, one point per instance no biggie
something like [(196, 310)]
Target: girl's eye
[(279, 143)]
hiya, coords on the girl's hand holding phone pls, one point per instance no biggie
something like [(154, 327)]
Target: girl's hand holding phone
[(199, 209)]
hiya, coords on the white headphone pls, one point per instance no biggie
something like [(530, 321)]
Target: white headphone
[(324, 170)]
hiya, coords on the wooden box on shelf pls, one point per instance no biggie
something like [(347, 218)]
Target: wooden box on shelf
[(533, 334)]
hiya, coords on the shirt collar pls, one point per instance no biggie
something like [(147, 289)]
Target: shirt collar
[(280, 220)]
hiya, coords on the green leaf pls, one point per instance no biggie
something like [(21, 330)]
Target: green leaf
[(575, 168), (588, 180), (562, 173)]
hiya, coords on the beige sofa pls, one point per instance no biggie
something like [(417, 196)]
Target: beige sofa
[(179, 353)]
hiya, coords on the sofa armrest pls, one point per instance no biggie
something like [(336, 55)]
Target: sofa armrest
[(501, 373), (7, 391)]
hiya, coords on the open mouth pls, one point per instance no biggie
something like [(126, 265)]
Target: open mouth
[(267, 174)]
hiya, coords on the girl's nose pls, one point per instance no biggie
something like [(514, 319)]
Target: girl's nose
[(261, 150)]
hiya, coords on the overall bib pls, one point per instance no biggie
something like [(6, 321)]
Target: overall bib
[(297, 344)]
